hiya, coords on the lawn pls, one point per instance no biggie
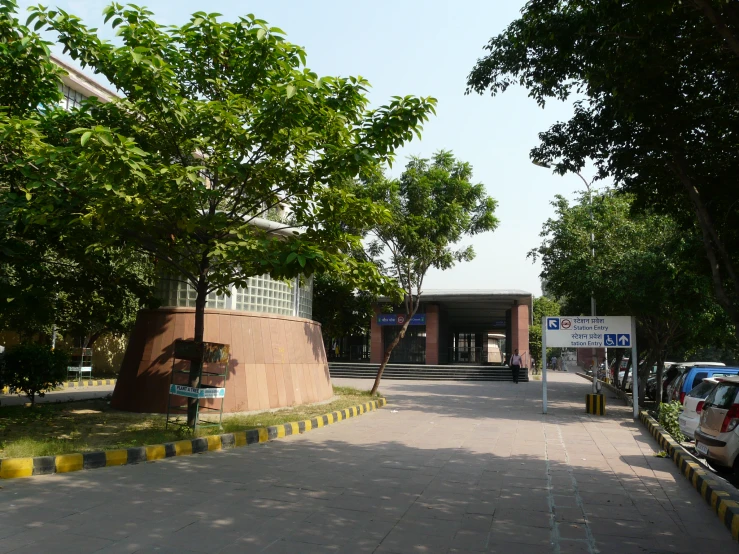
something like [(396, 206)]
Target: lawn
[(84, 426)]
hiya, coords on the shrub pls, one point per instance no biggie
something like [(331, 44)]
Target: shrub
[(34, 369), (668, 419)]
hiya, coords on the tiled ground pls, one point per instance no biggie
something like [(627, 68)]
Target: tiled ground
[(446, 467)]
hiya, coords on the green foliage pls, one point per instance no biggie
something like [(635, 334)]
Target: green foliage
[(341, 310), (645, 265), (221, 122), (543, 307), (34, 369), (657, 86), (432, 207), (668, 419)]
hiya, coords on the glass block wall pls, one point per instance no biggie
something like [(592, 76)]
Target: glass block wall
[(263, 294)]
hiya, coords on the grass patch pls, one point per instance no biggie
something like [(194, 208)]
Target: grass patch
[(88, 425)]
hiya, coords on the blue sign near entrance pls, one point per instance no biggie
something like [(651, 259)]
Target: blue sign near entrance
[(399, 319)]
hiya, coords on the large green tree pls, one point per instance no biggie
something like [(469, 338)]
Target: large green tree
[(645, 266), (48, 277), (432, 207), (657, 90), (218, 123)]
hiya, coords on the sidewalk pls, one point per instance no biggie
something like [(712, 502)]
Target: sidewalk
[(446, 467)]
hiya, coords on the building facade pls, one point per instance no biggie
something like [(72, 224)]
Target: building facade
[(456, 327)]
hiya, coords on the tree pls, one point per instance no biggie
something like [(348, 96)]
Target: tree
[(661, 84), (48, 281), (543, 306), (219, 123), (47, 276), (341, 309), (432, 207), (34, 369), (645, 266)]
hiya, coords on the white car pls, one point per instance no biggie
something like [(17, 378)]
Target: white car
[(693, 406)]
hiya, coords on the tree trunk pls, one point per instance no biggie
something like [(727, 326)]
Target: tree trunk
[(643, 379), (720, 25), (390, 348), (712, 243), (660, 373), (617, 368), (196, 367), (626, 375)]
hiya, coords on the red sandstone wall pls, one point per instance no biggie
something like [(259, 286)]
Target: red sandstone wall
[(276, 361), (520, 331)]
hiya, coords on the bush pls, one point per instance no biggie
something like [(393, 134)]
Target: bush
[(34, 369), (668, 419)]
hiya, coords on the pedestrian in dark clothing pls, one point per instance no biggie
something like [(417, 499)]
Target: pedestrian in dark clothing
[(515, 365)]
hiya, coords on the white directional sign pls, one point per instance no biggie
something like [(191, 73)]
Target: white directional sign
[(588, 332)]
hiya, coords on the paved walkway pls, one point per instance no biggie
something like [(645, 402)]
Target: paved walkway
[(446, 467), (66, 395)]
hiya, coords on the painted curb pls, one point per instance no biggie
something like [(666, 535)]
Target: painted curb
[(11, 468), (723, 501), (88, 383), (76, 384)]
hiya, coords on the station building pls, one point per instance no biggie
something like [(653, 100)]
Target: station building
[(477, 327)]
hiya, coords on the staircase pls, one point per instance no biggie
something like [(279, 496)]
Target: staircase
[(416, 372)]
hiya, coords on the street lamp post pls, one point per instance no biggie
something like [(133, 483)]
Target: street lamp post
[(592, 251)]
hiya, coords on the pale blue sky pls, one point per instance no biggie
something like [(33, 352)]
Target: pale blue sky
[(425, 48)]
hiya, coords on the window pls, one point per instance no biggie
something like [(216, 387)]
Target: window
[(71, 98), (722, 396)]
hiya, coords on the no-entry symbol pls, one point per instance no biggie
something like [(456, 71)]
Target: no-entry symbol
[(565, 323)]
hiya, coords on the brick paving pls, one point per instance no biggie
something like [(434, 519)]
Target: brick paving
[(446, 467)]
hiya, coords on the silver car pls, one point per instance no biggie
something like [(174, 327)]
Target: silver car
[(717, 437)]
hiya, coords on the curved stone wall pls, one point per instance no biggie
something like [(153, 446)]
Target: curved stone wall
[(276, 361)]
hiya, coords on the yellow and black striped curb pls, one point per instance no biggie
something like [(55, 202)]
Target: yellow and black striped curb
[(77, 384), (64, 463), (723, 501), (88, 383)]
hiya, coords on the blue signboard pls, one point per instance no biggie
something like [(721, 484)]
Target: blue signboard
[(399, 319)]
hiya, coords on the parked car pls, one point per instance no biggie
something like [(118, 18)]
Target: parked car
[(669, 385), (688, 380), (717, 436), (693, 406)]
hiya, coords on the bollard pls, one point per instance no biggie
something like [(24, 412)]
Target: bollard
[(595, 404)]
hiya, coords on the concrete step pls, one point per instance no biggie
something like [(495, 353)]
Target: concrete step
[(424, 372)]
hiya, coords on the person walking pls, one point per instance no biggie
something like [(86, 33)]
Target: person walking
[(515, 365)]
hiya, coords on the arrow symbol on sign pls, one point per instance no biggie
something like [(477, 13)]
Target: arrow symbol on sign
[(553, 324), (623, 340)]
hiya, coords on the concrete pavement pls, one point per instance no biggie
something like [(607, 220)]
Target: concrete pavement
[(446, 467)]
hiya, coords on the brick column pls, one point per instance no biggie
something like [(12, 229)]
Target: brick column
[(432, 334), (377, 349), (520, 331)]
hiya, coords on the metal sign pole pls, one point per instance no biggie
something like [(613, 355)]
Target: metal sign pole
[(634, 369), (544, 364)]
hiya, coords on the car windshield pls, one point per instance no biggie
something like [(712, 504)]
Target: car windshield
[(702, 389), (722, 396)]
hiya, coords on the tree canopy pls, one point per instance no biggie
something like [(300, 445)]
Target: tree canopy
[(645, 265), (656, 90), (48, 277)]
